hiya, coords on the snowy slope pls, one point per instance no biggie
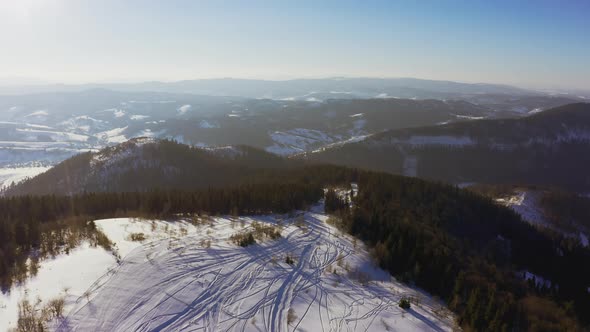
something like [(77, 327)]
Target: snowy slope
[(181, 283), (17, 174), (65, 275), (526, 204), (298, 140)]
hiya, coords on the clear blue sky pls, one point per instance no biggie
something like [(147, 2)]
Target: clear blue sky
[(529, 43)]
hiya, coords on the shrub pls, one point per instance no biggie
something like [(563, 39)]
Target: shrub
[(404, 303), (261, 231), (289, 260), (291, 317), (243, 239), (137, 237), (56, 307)]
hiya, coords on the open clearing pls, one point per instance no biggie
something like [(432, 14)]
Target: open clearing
[(189, 276)]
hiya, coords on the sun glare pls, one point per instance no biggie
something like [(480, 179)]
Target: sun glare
[(19, 9)]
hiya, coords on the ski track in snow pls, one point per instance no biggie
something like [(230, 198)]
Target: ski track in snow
[(176, 284)]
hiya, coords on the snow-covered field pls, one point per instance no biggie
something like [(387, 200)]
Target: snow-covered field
[(17, 174), (65, 275), (526, 204), (190, 276)]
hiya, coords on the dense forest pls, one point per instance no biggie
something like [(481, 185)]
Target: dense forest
[(466, 249), (567, 209)]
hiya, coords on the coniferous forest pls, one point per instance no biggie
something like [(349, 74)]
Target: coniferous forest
[(470, 252)]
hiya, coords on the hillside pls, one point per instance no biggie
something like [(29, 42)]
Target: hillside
[(143, 164), (547, 148), (471, 252)]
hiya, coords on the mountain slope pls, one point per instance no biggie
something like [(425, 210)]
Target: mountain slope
[(549, 148), (144, 164)]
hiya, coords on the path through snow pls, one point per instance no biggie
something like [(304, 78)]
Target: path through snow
[(180, 284)]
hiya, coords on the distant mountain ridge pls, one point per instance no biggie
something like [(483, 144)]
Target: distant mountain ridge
[(548, 148), (275, 89)]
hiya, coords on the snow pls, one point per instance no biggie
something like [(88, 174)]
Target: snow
[(520, 109), (539, 281), (17, 174), (536, 110), (54, 135), (75, 272), (469, 117), (106, 158), (84, 123), (137, 117), (183, 109), (178, 283), (149, 133), (526, 204), (297, 140), (114, 135), (28, 155), (353, 139), (39, 113), (37, 126), (584, 240), (118, 231), (384, 95), (208, 124)]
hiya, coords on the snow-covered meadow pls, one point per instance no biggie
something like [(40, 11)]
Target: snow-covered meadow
[(188, 276), (15, 175)]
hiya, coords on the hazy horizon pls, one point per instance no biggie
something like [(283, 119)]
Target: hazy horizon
[(538, 45)]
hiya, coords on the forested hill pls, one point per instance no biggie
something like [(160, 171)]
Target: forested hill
[(549, 148), (455, 244), (142, 164)]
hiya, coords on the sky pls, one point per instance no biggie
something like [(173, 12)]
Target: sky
[(541, 44)]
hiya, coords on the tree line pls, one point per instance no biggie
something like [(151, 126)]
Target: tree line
[(52, 224)]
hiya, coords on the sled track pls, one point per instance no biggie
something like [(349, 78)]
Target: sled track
[(177, 285)]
